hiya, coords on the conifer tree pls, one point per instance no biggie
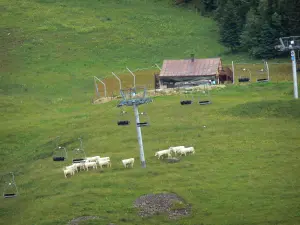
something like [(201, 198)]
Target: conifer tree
[(230, 27), (253, 25), (265, 48), (250, 34)]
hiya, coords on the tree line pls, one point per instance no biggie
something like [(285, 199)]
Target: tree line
[(252, 26)]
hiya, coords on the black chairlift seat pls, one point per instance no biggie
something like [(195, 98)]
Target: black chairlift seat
[(143, 124), (186, 102), (262, 80), (123, 122), (77, 160), (245, 79), (12, 195), (58, 158), (204, 102)]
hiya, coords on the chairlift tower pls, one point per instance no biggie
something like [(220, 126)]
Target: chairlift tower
[(291, 43), (134, 97)]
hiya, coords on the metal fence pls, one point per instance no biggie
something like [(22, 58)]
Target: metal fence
[(145, 76)]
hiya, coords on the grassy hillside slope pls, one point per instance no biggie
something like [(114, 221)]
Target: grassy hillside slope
[(246, 162), (46, 43), (245, 170)]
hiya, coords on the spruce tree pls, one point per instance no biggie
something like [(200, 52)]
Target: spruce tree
[(266, 42), (230, 27), (251, 32), (289, 10)]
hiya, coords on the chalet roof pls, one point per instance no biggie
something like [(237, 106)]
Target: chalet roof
[(189, 67)]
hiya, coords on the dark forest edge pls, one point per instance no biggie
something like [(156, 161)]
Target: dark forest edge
[(252, 26)]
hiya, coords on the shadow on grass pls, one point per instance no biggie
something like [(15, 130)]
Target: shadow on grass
[(276, 108)]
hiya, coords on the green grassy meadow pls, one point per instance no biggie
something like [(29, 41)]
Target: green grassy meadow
[(246, 166), (48, 42), (245, 170)]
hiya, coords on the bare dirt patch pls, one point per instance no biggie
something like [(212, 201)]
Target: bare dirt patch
[(170, 203), (102, 100)]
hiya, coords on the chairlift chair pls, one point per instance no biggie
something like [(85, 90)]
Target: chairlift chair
[(10, 188), (206, 102), (58, 158), (207, 98), (60, 154), (262, 71), (79, 153), (243, 79), (262, 80), (146, 122), (123, 122), (186, 102), (187, 98)]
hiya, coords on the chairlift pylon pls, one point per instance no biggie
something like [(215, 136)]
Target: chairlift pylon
[(298, 62), (10, 187)]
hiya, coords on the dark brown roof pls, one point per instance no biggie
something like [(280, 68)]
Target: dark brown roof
[(225, 71), (187, 67)]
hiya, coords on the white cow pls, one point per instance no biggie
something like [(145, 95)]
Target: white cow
[(128, 162), (92, 159), (176, 149), (104, 163), (103, 158), (72, 167), (163, 152), (186, 150), (68, 171), (90, 164), (80, 165)]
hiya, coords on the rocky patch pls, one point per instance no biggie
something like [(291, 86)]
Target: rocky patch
[(154, 204)]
